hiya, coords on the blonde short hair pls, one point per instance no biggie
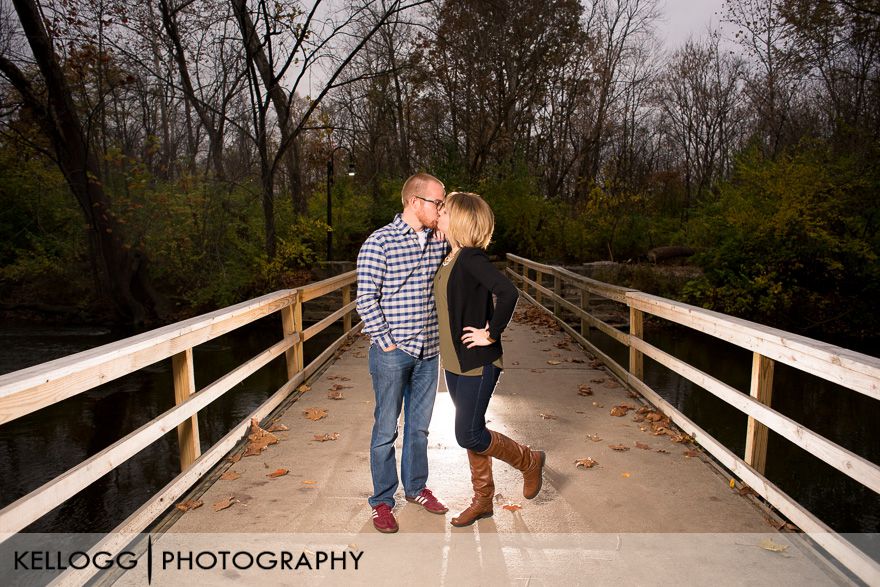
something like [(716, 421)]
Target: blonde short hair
[(471, 221), (415, 185)]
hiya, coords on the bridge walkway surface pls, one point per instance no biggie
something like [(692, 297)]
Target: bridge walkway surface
[(654, 509)]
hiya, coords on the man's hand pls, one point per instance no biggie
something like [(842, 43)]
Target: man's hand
[(438, 236), (474, 336), (389, 349)]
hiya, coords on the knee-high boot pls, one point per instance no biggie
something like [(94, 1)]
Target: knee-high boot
[(520, 457), (484, 490)]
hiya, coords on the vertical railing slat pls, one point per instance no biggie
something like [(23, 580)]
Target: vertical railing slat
[(185, 386), (636, 329), (756, 433)]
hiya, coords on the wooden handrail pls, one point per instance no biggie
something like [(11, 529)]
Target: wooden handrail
[(848, 368), (36, 387)]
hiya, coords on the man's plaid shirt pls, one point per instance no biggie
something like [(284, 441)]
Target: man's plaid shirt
[(395, 293)]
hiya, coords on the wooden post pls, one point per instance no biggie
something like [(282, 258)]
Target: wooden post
[(288, 322), (585, 306), (539, 279), (525, 274), (636, 329), (756, 433), (185, 386), (557, 289), (346, 299)]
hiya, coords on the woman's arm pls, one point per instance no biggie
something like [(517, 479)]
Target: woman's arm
[(480, 268)]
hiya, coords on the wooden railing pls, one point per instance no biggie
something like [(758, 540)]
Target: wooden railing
[(34, 388), (850, 369)]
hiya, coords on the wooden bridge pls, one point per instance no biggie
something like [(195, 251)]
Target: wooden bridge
[(659, 479)]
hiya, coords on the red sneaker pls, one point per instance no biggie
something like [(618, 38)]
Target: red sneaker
[(383, 519), (427, 500)]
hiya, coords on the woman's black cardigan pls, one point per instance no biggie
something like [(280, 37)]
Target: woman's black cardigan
[(469, 291)]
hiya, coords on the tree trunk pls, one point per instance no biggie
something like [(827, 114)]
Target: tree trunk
[(122, 270)]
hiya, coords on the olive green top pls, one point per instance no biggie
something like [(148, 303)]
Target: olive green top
[(448, 357)]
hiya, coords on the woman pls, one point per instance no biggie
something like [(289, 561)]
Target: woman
[(470, 353)]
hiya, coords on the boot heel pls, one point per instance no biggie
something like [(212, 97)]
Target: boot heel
[(542, 456)]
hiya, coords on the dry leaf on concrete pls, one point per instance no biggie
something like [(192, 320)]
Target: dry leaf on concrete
[(278, 473), (258, 439), (768, 544), (512, 507), (642, 445), (586, 463), (190, 504), (315, 414), (548, 416), (230, 476), (337, 395), (618, 447), (325, 437), (225, 503), (554, 362), (584, 389), (594, 437), (691, 453), (278, 427)]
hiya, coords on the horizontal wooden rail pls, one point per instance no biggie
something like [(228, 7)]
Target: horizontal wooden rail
[(25, 391), (850, 369), (842, 366), (28, 390)]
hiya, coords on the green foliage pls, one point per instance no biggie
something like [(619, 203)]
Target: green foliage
[(792, 242)]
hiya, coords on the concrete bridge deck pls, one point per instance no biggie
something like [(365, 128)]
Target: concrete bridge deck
[(660, 511)]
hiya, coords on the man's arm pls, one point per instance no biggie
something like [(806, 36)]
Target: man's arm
[(371, 265)]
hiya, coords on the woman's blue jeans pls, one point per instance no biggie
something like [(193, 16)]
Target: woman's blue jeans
[(399, 380), (471, 395)]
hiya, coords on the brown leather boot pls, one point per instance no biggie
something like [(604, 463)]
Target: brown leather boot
[(484, 490), (520, 457)]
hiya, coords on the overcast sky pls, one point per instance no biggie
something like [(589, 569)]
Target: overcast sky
[(684, 18)]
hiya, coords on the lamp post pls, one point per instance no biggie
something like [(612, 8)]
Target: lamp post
[(351, 173)]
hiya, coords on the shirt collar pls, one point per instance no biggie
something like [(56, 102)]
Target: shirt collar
[(404, 228)]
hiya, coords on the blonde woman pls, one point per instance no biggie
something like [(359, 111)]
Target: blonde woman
[(470, 348)]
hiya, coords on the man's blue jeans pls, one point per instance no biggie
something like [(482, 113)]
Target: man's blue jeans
[(400, 380)]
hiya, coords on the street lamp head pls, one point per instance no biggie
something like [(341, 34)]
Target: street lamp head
[(351, 168)]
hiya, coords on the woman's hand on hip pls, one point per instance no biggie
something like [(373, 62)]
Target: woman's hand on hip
[(474, 336)]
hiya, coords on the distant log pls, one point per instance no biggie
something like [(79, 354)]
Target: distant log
[(665, 253)]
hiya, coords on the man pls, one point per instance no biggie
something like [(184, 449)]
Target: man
[(395, 272)]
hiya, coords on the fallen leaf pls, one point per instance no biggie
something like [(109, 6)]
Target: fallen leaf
[(338, 386), (278, 427), (278, 473), (746, 490), (303, 388), (190, 504), (642, 445), (632, 394), (594, 437), (554, 362), (337, 395), (598, 405), (577, 360), (625, 475), (768, 544), (690, 453), (315, 414), (638, 418), (537, 370), (515, 363), (653, 417), (230, 476), (600, 380), (309, 482), (584, 389), (586, 463), (612, 384), (326, 437), (225, 503), (259, 439), (621, 410), (663, 450), (512, 507), (595, 364), (234, 458), (548, 416), (359, 355), (618, 447)]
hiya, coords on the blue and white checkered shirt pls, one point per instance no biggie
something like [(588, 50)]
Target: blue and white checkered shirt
[(395, 294)]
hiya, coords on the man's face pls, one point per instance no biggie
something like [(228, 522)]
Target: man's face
[(428, 203)]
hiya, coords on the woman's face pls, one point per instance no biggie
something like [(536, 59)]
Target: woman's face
[(443, 221)]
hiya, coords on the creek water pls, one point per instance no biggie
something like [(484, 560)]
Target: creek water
[(38, 447)]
